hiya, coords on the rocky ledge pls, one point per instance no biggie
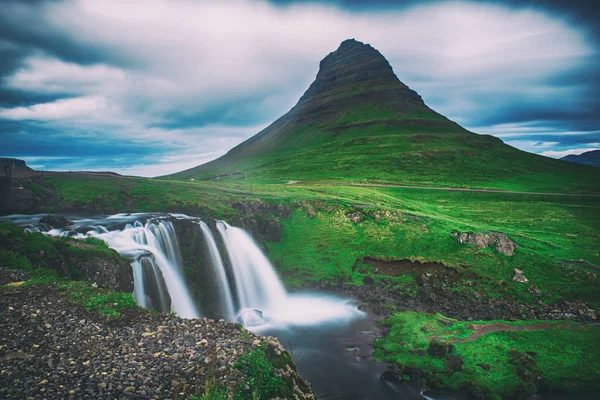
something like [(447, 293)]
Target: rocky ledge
[(51, 348)]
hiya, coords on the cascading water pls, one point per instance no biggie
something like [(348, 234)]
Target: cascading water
[(217, 262), (157, 238), (258, 286), (238, 284)]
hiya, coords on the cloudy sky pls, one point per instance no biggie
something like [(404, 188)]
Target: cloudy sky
[(151, 87)]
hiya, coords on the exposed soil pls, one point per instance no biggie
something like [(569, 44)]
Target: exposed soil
[(483, 329), (396, 267)]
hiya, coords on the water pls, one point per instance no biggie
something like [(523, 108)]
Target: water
[(217, 262), (258, 286), (329, 338)]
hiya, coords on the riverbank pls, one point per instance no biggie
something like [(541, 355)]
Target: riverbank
[(53, 347)]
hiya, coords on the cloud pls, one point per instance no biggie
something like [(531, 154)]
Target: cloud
[(198, 77)]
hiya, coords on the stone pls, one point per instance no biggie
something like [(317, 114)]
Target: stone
[(453, 363), (55, 221), (519, 277), (439, 348)]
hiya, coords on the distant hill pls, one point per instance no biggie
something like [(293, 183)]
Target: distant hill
[(14, 162), (587, 158), (358, 123)]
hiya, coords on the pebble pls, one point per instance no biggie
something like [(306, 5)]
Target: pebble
[(81, 354)]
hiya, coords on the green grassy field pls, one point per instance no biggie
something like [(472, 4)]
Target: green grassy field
[(319, 241), (501, 364)]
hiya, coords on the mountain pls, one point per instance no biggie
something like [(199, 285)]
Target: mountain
[(357, 122), (587, 158)]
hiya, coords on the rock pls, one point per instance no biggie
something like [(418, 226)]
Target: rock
[(55, 221), (519, 277), (453, 363), (483, 366), (249, 317), (502, 243), (439, 348), (480, 240), (356, 217), (505, 245), (368, 280), (389, 376)]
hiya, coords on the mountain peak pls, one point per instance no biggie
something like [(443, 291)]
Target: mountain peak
[(356, 67)]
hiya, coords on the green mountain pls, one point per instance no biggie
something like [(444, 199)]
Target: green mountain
[(357, 123)]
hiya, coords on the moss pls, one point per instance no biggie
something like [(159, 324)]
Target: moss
[(556, 357)]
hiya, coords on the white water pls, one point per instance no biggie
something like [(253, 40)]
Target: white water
[(217, 262), (139, 293), (256, 281), (259, 288), (155, 237)]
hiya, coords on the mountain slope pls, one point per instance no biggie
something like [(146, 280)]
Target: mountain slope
[(587, 158), (358, 123)]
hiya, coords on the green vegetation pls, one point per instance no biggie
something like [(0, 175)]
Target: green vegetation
[(259, 374), (497, 364), (22, 251), (108, 303), (258, 369)]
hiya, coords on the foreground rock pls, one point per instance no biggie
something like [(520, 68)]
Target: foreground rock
[(502, 243), (51, 349)]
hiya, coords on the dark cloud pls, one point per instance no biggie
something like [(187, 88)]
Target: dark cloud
[(129, 84)]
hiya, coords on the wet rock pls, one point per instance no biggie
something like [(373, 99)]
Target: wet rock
[(439, 348), (55, 221), (389, 376)]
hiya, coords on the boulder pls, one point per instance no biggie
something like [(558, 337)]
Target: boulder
[(249, 317), (480, 240), (505, 245), (502, 243), (55, 221), (105, 272), (368, 280), (453, 363), (519, 277), (439, 348)]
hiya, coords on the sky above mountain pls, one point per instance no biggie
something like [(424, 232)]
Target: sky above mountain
[(153, 87)]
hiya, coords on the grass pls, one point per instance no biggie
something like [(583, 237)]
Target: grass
[(566, 359), (261, 382), (409, 144), (22, 251)]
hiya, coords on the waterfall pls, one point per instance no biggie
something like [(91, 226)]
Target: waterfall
[(215, 256), (257, 284), (249, 292), (156, 237), (139, 292)]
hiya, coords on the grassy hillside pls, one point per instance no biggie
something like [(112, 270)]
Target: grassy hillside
[(358, 123)]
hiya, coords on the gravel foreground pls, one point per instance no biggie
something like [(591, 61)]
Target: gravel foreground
[(53, 349)]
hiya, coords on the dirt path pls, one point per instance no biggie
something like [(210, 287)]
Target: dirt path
[(451, 189), (483, 329)]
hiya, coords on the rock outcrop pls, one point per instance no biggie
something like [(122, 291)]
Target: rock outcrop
[(502, 243)]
